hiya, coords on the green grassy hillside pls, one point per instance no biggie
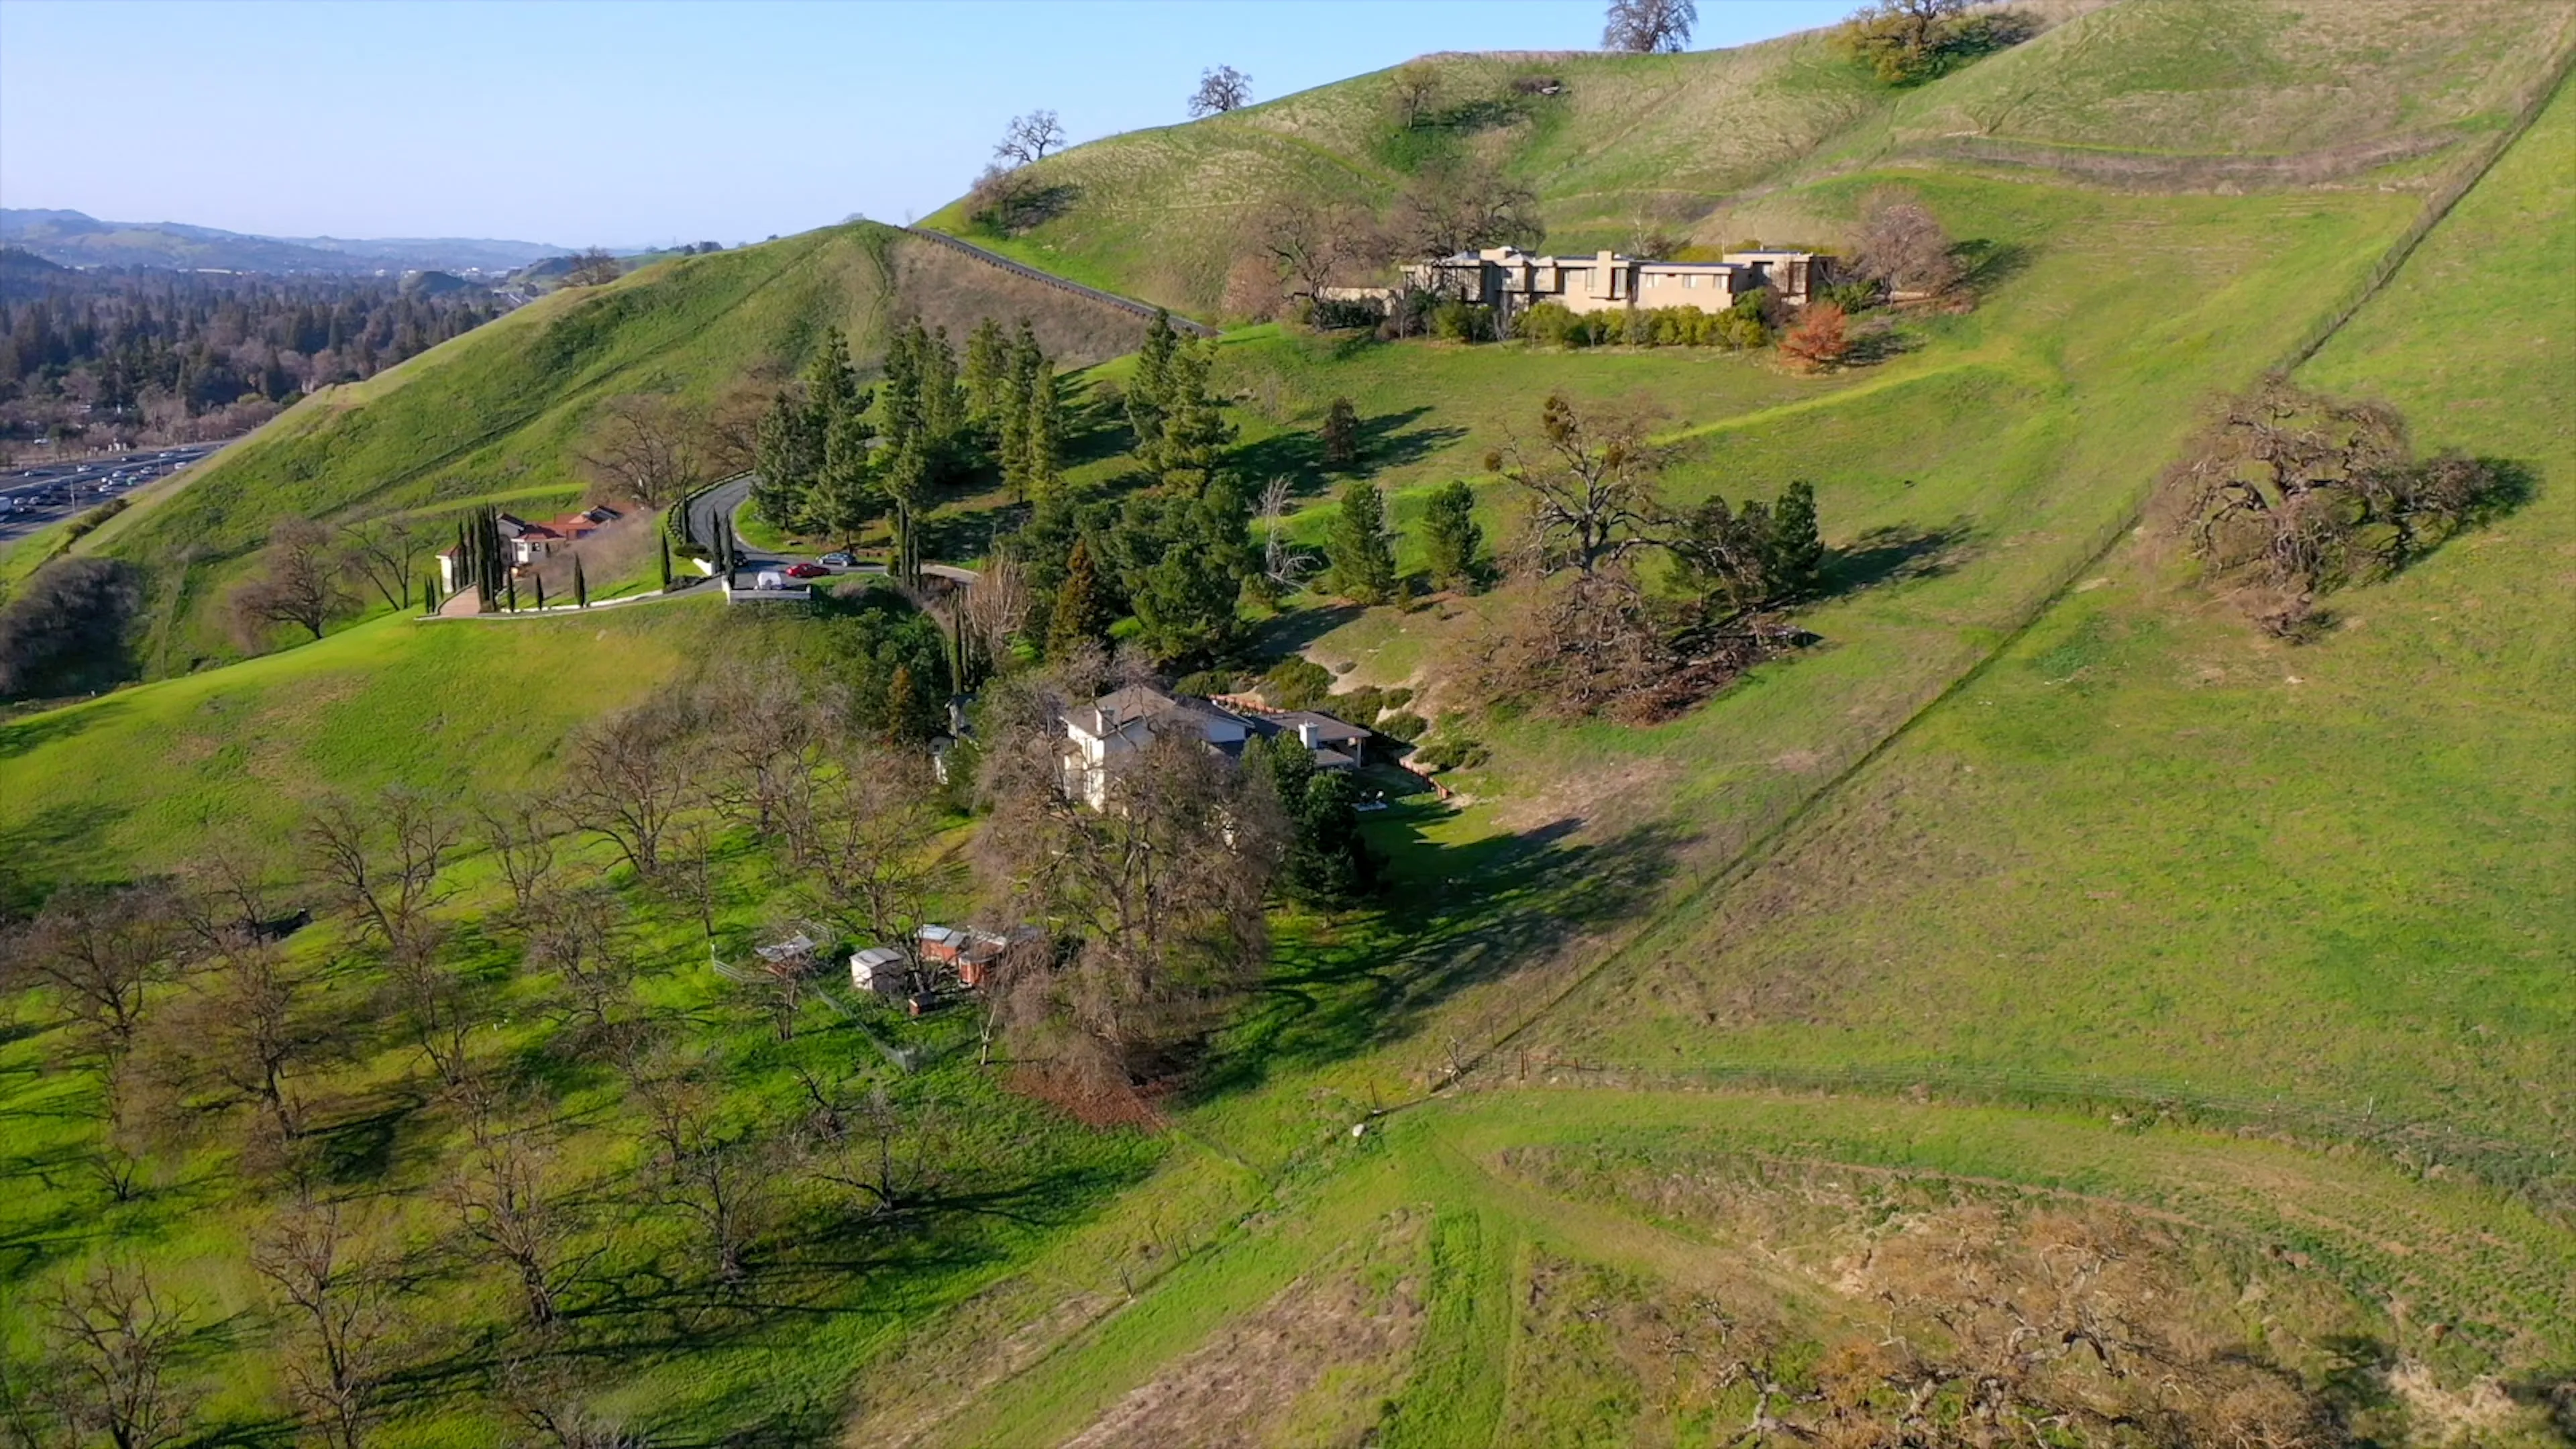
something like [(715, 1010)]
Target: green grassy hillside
[(2091, 961), (2165, 94), (502, 413), (2147, 843)]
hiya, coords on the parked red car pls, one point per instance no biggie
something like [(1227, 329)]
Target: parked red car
[(806, 571)]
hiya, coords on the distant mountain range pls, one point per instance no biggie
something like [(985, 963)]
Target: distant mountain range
[(74, 239)]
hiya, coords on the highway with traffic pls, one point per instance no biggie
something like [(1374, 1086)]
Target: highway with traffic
[(30, 498)]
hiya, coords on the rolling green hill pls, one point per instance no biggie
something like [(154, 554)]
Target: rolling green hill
[(2162, 94), (503, 412)]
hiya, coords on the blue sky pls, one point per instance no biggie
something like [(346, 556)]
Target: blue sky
[(627, 124)]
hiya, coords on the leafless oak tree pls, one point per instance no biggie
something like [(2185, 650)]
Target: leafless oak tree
[(649, 448), (1901, 245), (1588, 484), (117, 1346), (99, 951), (576, 931), (631, 777), (1220, 90), (593, 268), (503, 1199), (520, 834), (382, 862), (381, 552), (298, 583), (341, 1308), (1029, 138), (1314, 241), (1460, 205), (1647, 27), (1161, 891), (866, 837)]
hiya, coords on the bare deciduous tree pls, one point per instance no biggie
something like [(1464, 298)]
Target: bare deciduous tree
[(767, 727), (1460, 205), (381, 553), (504, 1202), (719, 1175), (342, 1310), (889, 1153), (997, 606), (247, 1022), (593, 268), (1901, 246), (116, 1345), (650, 448), (99, 951), (631, 777), (866, 840), (1029, 138), (576, 932), (1161, 891), (520, 834), (1314, 241), (1220, 90), (1282, 562), (382, 862), (297, 583), (1648, 27), (1588, 486)]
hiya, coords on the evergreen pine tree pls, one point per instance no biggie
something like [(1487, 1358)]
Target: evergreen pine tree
[(1043, 443), (428, 596), (987, 369), (1192, 435), (1145, 386), (1450, 537), (581, 585), (1341, 435), (1362, 551), (666, 564), (1796, 555), (541, 591), (512, 586), (1077, 605)]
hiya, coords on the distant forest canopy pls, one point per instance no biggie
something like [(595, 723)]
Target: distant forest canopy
[(138, 355)]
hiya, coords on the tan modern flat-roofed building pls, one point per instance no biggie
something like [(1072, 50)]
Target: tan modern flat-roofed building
[(1511, 280)]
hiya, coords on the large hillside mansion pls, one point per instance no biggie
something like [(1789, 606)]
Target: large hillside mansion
[(1098, 735), (1510, 280)]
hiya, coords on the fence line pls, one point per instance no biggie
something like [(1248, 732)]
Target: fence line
[(1124, 304)]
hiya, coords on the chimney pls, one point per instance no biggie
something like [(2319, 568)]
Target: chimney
[(1306, 733)]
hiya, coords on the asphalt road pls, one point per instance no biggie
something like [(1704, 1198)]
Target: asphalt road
[(715, 508), (31, 498)]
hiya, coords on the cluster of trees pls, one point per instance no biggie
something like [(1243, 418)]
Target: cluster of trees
[(63, 629), (1307, 243), (1584, 633), (834, 456), (137, 356), (1908, 42), (1176, 553), (1746, 323), (2288, 495), (206, 1015)]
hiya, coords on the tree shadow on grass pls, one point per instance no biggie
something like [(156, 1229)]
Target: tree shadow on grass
[(1894, 555), (1384, 443), (20, 736), (1293, 629), (54, 845), (1985, 263), (1448, 918)]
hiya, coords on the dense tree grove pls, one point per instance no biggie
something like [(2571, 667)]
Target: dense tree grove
[(153, 353), (1587, 633), (2287, 495)]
